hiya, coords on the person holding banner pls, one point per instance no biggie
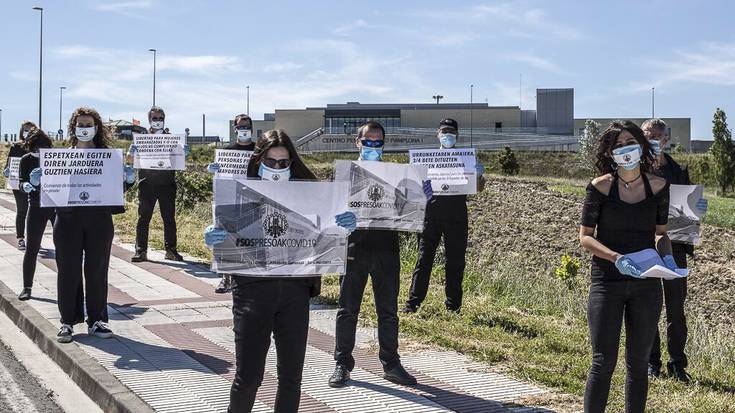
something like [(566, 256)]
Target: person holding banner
[(374, 253), (243, 126), (156, 186), (625, 211), (21, 198), (262, 306), (37, 217), (446, 216), (675, 291), (83, 239)]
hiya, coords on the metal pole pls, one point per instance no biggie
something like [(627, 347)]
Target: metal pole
[(653, 102), (204, 128), (248, 108), (154, 75), (472, 87), (520, 91), (61, 103), (1, 124), (40, 72)]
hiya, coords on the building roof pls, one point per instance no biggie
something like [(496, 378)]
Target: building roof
[(407, 106)]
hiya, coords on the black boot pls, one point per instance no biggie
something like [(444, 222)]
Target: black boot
[(25, 294), (399, 375), (339, 377), (139, 256), (679, 373), (173, 255)]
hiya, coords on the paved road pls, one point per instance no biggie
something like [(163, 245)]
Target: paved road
[(19, 390)]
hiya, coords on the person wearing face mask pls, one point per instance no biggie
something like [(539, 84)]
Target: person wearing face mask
[(625, 211), (374, 253), (156, 186), (675, 291), (83, 240), (37, 216), (262, 306), (446, 216), (18, 150)]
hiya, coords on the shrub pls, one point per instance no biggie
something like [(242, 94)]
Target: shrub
[(568, 271), (192, 188), (587, 151), (508, 162), (678, 149)]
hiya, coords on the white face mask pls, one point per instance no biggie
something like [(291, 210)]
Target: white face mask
[(85, 134), (276, 175), (35, 154), (25, 134), (244, 136), (157, 125)]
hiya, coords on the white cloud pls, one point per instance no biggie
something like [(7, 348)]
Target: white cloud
[(349, 28), (123, 6), (537, 62)]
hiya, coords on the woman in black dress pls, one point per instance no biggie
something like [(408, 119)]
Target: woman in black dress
[(625, 211), (21, 198)]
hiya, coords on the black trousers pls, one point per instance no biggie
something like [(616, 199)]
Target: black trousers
[(675, 293), (259, 308), (638, 302), (384, 267), (147, 197), (37, 219), (83, 240), (21, 210), (455, 247)]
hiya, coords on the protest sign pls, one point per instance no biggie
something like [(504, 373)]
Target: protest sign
[(81, 177), (451, 171), (385, 195), (685, 219), (159, 151), (274, 230), (13, 180), (232, 163)]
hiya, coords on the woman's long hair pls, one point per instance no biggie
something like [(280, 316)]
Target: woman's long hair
[(272, 139), (605, 163), (38, 139), (23, 126), (101, 139)]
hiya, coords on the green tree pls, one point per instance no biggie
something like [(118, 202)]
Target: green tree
[(587, 150), (508, 162), (723, 152)]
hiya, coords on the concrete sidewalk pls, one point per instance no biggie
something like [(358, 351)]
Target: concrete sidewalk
[(174, 346)]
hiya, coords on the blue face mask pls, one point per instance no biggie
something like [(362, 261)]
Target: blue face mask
[(628, 156), (448, 140), (275, 175), (371, 154), (655, 147)]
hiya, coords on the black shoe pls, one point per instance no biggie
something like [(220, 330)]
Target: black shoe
[(64, 334), (139, 256), (339, 377), (100, 329), (174, 256), (679, 373), (409, 309), (654, 372), (224, 285), (25, 294), (399, 375), (21, 244), (453, 310)]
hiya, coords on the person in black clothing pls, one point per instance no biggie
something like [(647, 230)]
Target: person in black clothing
[(675, 291), (243, 127), (83, 239), (374, 253), (262, 306), (156, 186), (625, 211), (446, 216), (37, 217), (21, 198)]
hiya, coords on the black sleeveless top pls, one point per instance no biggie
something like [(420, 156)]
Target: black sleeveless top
[(624, 228)]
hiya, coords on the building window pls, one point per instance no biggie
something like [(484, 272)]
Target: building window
[(259, 132), (498, 125)]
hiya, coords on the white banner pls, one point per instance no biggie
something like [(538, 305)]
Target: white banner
[(385, 195), (274, 230), (13, 181), (81, 177), (159, 151), (232, 163), (685, 220), (452, 171)]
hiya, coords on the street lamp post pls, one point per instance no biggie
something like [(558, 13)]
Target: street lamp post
[(154, 75), (653, 102), (40, 70), (248, 99), (61, 105), (1, 124), (437, 98), (472, 88)]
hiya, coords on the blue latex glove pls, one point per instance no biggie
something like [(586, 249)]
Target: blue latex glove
[(27, 187), (347, 220), (626, 266), (6, 172), (480, 168), (187, 150), (214, 236), (132, 149), (213, 168), (702, 205), (427, 189), (35, 178), (129, 174), (670, 263)]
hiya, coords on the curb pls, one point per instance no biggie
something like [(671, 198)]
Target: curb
[(98, 383)]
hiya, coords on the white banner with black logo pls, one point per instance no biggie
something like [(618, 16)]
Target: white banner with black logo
[(81, 177), (452, 171), (274, 229), (232, 163), (13, 180), (159, 151), (685, 219), (385, 195)]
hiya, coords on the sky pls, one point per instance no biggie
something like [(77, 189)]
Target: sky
[(295, 54)]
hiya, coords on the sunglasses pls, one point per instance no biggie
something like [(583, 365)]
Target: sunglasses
[(372, 144), (277, 163), (154, 119)]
